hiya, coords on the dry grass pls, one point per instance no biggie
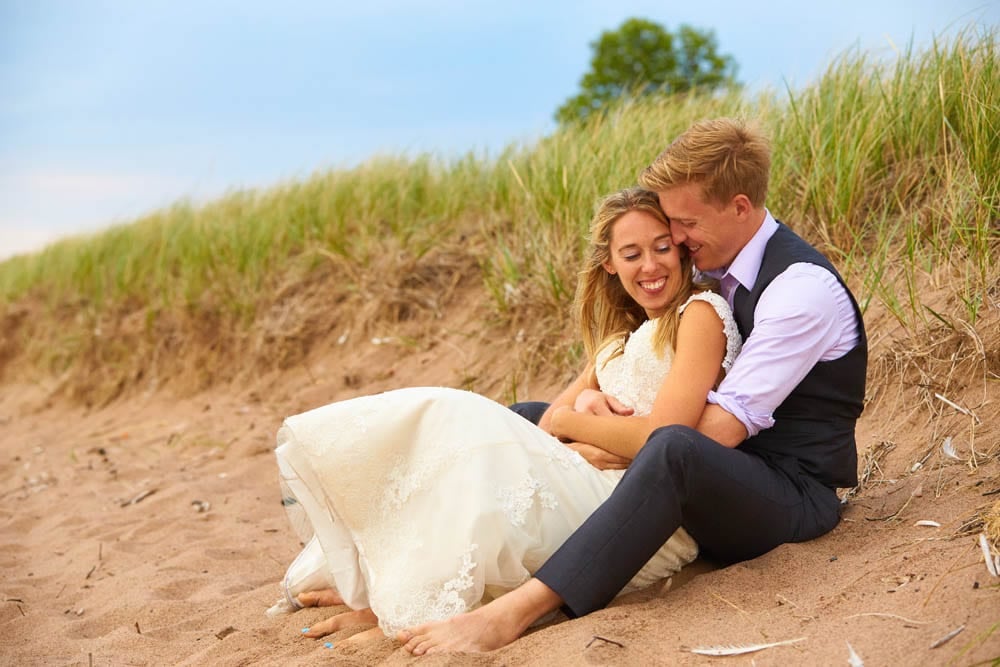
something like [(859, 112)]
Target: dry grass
[(891, 169), (991, 525)]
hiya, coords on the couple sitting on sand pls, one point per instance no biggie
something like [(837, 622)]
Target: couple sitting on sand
[(716, 413)]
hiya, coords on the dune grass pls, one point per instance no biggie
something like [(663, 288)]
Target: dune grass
[(892, 168)]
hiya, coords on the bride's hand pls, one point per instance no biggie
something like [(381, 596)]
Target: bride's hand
[(599, 458), (594, 402)]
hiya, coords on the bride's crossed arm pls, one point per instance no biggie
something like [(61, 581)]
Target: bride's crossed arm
[(584, 395), (584, 390), (695, 369)]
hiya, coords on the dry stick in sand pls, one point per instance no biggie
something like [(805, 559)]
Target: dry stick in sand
[(595, 638), (16, 601), (888, 615), (138, 498), (897, 512), (964, 411), (747, 616), (948, 637), (716, 595), (100, 551)]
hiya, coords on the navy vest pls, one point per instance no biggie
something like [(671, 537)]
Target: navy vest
[(813, 428)]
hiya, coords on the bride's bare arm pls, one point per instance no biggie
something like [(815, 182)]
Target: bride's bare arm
[(700, 347), (596, 402), (599, 458), (586, 380)]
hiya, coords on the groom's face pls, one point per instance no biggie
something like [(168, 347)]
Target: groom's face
[(708, 230)]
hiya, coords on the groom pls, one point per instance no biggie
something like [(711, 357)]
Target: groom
[(777, 437)]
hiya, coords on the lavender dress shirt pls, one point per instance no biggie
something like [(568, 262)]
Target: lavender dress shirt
[(804, 316)]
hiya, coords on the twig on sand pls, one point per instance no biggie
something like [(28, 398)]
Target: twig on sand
[(897, 512), (964, 411), (138, 497), (16, 602), (137, 627), (888, 615), (716, 595), (100, 558), (595, 638), (948, 637)]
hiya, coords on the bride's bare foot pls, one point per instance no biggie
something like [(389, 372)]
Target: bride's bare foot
[(327, 597), (339, 622), (364, 636), (490, 627)]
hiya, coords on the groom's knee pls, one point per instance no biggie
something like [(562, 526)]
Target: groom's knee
[(673, 449)]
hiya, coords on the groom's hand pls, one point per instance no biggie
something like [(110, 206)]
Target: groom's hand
[(594, 402), (599, 458)]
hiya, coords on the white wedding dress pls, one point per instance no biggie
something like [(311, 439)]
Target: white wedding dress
[(423, 503)]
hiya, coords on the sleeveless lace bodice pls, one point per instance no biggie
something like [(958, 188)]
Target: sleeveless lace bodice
[(635, 376)]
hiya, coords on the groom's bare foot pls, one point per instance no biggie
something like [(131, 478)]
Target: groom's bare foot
[(327, 597), (490, 627), (339, 622)]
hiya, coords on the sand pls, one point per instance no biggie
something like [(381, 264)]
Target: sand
[(149, 531)]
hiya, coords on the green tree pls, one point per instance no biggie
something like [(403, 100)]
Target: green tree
[(642, 57)]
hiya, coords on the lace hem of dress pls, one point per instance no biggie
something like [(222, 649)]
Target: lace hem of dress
[(421, 606)]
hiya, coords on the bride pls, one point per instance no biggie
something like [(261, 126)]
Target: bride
[(419, 504)]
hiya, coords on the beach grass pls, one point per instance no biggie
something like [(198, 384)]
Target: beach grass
[(891, 166)]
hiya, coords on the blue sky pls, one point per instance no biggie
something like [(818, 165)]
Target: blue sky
[(112, 108)]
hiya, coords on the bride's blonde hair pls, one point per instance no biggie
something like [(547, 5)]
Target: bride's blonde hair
[(606, 311)]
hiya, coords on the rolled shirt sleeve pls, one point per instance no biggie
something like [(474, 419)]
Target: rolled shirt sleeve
[(804, 316)]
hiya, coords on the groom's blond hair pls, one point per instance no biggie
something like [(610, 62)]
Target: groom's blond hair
[(725, 156)]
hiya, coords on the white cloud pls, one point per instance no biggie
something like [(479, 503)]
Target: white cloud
[(65, 181), (18, 238), (42, 204)]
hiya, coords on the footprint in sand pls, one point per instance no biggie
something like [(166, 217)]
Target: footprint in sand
[(181, 589)]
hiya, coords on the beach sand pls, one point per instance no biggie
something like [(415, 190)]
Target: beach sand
[(150, 532)]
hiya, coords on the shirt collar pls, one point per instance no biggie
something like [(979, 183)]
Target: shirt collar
[(746, 265)]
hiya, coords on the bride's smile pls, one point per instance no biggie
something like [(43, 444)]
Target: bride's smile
[(646, 261)]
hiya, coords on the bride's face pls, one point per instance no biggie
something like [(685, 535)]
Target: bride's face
[(645, 260)]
